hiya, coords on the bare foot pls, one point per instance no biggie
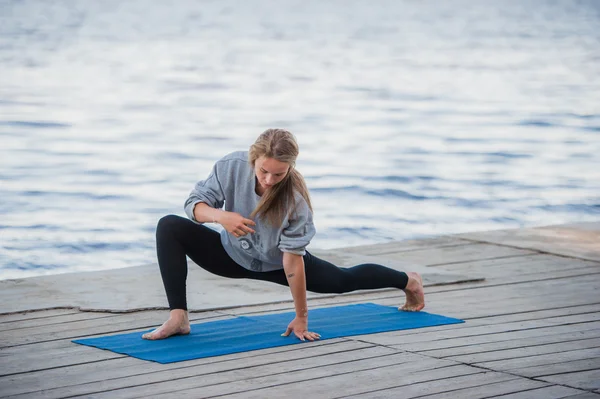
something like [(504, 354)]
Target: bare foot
[(415, 298), (178, 324)]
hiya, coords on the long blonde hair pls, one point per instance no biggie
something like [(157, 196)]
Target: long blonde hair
[(279, 201)]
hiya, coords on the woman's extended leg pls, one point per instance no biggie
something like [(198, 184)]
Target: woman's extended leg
[(177, 237), (326, 278)]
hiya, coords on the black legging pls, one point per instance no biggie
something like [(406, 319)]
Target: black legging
[(177, 237)]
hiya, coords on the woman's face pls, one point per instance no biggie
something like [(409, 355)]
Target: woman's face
[(270, 171)]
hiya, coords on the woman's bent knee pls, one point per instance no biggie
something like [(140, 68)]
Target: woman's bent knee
[(167, 223)]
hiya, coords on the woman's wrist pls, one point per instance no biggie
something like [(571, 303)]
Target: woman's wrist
[(302, 312), (216, 216)]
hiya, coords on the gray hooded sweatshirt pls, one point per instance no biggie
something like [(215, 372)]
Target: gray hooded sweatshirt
[(232, 186)]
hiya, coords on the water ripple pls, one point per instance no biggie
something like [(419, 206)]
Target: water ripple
[(36, 125)]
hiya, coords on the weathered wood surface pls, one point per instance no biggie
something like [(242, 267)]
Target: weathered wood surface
[(579, 240), (532, 331)]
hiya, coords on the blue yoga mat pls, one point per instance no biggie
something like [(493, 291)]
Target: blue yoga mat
[(246, 333)]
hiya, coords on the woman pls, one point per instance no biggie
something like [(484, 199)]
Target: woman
[(267, 224)]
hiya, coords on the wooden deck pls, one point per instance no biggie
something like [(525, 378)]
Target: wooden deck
[(532, 331)]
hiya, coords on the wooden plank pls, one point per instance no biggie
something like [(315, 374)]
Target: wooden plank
[(489, 309), (566, 241), (520, 266), (551, 392), (483, 265), (426, 336), (518, 294), (540, 360), (48, 322), (529, 264), (36, 314), (457, 254), (587, 395), (554, 275), (508, 345), (38, 347), (525, 292), (490, 390), (473, 302), (514, 310), (559, 368), (512, 317), (519, 272), (433, 386), (211, 371), (496, 337), (403, 246), (53, 359), (519, 352), (541, 314), (528, 289), (531, 289), (589, 380)]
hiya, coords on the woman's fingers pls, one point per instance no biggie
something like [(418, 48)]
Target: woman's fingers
[(237, 225), (246, 223), (239, 232), (242, 230), (312, 336), (306, 335), (287, 332), (246, 229)]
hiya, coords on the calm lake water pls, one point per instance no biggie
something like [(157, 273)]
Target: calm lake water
[(415, 118)]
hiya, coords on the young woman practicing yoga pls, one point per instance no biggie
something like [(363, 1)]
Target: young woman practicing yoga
[(263, 204)]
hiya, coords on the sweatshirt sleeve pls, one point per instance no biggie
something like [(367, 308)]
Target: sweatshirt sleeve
[(208, 191), (300, 230)]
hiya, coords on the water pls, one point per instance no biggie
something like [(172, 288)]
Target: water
[(414, 118)]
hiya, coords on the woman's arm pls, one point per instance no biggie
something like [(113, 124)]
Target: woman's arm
[(293, 265), (203, 213), (233, 222)]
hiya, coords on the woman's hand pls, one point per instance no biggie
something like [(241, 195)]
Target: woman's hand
[(235, 224), (300, 328)]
